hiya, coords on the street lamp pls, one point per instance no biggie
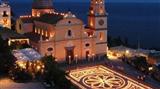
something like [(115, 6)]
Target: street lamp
[(93, 55), (89, 57), (76, 58), (38, 68), (69, 59), (127, 51), (150, 68)]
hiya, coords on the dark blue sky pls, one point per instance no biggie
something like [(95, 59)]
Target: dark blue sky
[(89, 0)]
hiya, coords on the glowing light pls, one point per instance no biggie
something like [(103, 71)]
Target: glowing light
[(38, 68), (150, 68), (91, 23), (21, 65), (100, 77), (127, 52)]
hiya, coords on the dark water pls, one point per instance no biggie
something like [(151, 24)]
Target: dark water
[(133, 20)]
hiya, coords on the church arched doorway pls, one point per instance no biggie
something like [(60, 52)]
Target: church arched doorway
[(69, 52)]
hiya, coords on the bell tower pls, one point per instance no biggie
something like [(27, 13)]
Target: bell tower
[(97, 21), (5, 16)]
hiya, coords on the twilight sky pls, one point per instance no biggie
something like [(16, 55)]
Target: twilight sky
[(89, 0)]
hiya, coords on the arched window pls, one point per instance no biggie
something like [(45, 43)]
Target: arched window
[(101, 35), (69, 33), (20, 26), (87, 44), (5, 14)]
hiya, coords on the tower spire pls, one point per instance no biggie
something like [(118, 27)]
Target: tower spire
[(97, 7), (4, 2)]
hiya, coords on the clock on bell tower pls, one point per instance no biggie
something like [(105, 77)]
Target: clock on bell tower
[(97, 21)]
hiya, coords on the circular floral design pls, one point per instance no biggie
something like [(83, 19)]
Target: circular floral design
[(103, 81)]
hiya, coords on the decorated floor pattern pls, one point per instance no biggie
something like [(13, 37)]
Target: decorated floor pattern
[(100, 77)]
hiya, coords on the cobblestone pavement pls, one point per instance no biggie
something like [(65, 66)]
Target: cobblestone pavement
[(9, 84)]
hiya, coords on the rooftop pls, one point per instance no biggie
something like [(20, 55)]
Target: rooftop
[(27, 54), (50, 18), (10, 34)]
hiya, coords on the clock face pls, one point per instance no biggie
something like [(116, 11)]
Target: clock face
[(101, 22)]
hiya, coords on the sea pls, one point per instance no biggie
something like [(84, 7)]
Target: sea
[(139, 22)]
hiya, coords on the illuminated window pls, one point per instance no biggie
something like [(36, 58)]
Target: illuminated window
[(51, 35), (39, 31), (5, 21), (101, 35), (91, 23), (46, 34), (42, 32), (35, 30)]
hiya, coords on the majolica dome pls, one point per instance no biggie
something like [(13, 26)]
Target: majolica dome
[(42, 4)]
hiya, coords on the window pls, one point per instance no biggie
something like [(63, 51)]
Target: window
[(101, 35), (87, 44), (5, 21), (87, 54), (69, 22), (4, 14), (46, 34), (20, 27), (50, 49), (69, 33)]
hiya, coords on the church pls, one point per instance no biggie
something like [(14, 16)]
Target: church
[(63, 35), (5, 14)]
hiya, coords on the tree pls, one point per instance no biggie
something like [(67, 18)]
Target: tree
[(54, 74), (20, 75), (6, 58), (141, 63), (112, 42)]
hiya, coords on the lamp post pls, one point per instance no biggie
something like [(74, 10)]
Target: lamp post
[(93, 55), (127, 52), (89, 57), (76, 57), (69, 60)]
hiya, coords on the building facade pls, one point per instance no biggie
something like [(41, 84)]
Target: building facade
[(5, 14), (66, 37)]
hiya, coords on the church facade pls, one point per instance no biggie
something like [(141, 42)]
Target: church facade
[(65, 36)]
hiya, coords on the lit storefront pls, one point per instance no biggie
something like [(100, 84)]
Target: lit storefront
[(28, 59)]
